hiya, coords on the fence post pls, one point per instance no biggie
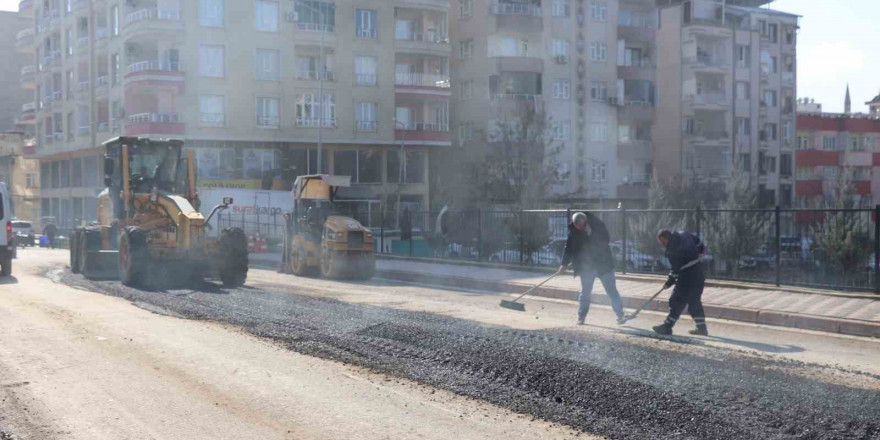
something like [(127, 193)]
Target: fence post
[(625, 253), (410, 220), (778, 244), (522, 229), (382, 232), (480, 234), (877, 249), (699, 219)]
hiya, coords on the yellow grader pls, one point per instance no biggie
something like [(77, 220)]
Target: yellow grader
[(149, 225), (319, 238)]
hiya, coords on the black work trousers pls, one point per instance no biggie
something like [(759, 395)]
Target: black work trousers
[(688, 293)]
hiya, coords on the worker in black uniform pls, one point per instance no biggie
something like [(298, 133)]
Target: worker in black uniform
[(684, 250)]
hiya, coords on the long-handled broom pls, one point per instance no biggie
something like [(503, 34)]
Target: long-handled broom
[(519, 307), (633, 315)]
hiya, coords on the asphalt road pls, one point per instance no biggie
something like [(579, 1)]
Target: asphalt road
[(747, 382)]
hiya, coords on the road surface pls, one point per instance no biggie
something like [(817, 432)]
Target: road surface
[(286, 357)]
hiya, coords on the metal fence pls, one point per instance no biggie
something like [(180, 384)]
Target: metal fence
[(832, 248)]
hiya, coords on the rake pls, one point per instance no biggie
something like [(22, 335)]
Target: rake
[(633, 315), (519, 307)]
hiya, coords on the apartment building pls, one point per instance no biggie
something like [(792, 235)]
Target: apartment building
[(834, 148), (16, 34), (726, 78), (252, 87), (20, 175), (584, 65)]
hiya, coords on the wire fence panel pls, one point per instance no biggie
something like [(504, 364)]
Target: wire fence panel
[(821, 248)]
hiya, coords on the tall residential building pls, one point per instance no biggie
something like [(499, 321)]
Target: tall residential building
[(17, 37), (834, 148), (727, 85), (242, 83)]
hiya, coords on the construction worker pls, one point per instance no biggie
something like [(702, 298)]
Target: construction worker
[(587, 251), (684, 251)]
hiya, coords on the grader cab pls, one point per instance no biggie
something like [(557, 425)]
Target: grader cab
[(149, 225), (319, 238)]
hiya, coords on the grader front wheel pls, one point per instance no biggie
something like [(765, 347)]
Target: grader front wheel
[(233, 246)]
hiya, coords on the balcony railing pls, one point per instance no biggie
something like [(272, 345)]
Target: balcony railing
[(365, 79), (499, 8), (57, 96), (514, 96), (437, 127), (27, 73), (636, 179), (365, 125), (154, 65), (711, 134), (103, 80), (82, 41), (83, 86), (367, 33), (315, 122), (269, 122), (29, 107), (25, 37), (710, 98), (427, 37), (422, 80), (153, 118), (82, 131), (315, 27), (152, 14), (101, 33), (313, 75), (212, 119)]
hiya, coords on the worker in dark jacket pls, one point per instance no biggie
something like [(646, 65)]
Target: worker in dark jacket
[(587, 251), (684, 251)]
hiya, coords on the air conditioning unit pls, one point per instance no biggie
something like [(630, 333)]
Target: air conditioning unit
[(292, 16)]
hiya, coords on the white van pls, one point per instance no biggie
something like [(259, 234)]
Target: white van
[(7, 246)]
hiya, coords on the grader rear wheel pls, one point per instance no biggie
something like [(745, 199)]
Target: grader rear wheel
[(233, 247), (133, 257)]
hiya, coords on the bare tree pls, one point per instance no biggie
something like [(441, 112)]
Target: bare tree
[(841, 239)]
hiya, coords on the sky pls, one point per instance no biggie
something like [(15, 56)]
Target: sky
[(837, 44)]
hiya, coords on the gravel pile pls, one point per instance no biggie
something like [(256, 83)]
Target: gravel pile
[(616, 389)]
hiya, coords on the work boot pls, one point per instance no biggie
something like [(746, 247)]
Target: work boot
[(621, 319), (581, 321), (701, 330), (663, 329)]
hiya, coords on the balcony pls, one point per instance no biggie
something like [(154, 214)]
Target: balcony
[(155, 73), (634, 110), (519, 64), (642, 71), (314, 33), (154, 124), (515, 8), (709, 136), (366, 125), (315, 122), (707, 60), (101, 85), (708, 100), (517, 17), (82, 131), (422, 131), (82, 89), (636, 34), (28, 113), (152, 20), (24, 41), (28, 77), (419, 80), (427, 42), (82, 44), (634, 150), (313, 75)]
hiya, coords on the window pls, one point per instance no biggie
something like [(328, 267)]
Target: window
[(598, 132), (466, 49), (560, 48), (562, 89), (268, 112), (803, 143), (307, 67), (467, 89), (769, 98), (598, 51), (829, 143), (31, 180), (789, 35), (599, 174), (308, 110), (743, 55), (114, 69), (688, 161), (745, 161), (266, 15), (598, 10), (65, 174), (562, 130), (770, 133), (561, 8), (212, 13), (787, 133), (369, 166), (742, 90), (465, 8), (70, 81), (632, 57), (71, 128), (743, 126), (774, 66), (785, 165), (268, 65), (212, 60), (212, 110), (766, 62), (365, 20), (365, 116), (315, 15), (365, 70), (772, 33), (465, 131), (76, 173), (114, 20), (68, 42), (598, 91)]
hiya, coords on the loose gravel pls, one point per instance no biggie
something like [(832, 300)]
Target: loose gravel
[(599, 385)]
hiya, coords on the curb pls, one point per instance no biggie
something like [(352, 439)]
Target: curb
[(643, 277), (754, 316)]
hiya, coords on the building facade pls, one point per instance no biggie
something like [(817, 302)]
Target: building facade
[(835, 149), (252, 87), (21, 176), (16, 33), (727, 86)]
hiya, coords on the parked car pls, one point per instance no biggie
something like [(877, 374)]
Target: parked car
[(23, 232), (548, 255), (635, 258), (458, 250)]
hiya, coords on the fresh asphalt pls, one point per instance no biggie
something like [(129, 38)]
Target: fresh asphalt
[(595, 384)]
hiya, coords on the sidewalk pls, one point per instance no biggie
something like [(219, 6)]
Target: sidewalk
[(826, 311)]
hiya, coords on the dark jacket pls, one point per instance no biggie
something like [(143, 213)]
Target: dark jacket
[(683, 249), (591, 251)]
